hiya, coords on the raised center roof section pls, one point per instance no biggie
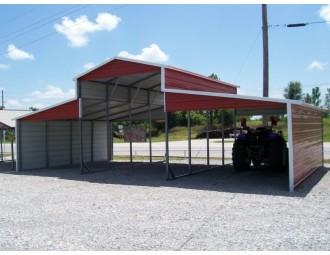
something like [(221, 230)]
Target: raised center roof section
[(169, 77)]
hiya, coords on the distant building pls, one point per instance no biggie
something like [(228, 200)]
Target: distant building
[(7, 116)]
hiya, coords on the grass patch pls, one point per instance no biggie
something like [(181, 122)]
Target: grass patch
[(142, 158), (181, 133)]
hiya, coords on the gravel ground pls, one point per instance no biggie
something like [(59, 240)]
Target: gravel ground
[(136, 209)]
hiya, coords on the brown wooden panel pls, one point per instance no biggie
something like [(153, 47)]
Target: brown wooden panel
[(307, 129)]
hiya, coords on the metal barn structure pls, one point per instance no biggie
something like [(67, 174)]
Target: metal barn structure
[(79, 130)]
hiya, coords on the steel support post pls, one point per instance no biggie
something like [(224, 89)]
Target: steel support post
[(46, 145), (71, 144), (167, 148), (108, 131), (111, 141), (1, 147), (130, 128), (189, 141), (150, 127), (81, 137), (18, 134), (290, 143), (81, 146), (207, 138), (92, 141), (12, 155), (107, 124), (223, 136), (235, 127)]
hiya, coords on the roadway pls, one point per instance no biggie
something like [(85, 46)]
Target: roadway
[(180, 148)]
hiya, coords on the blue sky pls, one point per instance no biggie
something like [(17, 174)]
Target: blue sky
[(40, 56)]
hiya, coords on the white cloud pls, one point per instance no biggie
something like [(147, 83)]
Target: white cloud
[(76, 30), (152, 53), (12, 103), (16, 54), (316, 65), (52, 92), (3, 66), (89, 65), (324, 12)]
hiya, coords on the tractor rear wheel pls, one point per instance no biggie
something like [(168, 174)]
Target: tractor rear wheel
[(241, 159), (277, 155)]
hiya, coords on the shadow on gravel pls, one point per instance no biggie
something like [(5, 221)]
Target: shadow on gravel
[(221, 179)]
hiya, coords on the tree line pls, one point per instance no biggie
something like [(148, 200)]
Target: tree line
[(294, 91)]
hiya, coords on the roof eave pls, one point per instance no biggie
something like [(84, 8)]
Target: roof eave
[(45, 109)]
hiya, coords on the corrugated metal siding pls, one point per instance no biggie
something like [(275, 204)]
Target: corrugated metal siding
[(93, 90), (48, 144), (118, 68), (307, 129), (59, 152), (176, 79), (100, 141), (87, 136), (185, 102), (33, 145)]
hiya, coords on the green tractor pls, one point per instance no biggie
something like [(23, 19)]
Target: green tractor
[(260, 146)]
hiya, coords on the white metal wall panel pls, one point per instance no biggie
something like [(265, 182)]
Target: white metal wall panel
[(87, 136), (33, 145), (100, 141), (93, 90), (58, 143)]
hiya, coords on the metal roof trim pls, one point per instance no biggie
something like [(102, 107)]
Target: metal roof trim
[(235, 96)]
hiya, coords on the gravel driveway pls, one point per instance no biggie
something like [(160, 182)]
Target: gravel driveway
[(136, 209)]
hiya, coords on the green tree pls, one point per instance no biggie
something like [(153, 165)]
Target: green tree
[(34, 109), (293, 91), (215, 115), (326, 104), (197, 118), (308, 98), (316, 96), (214, 76)]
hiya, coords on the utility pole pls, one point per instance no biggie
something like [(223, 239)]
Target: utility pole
[(2, 106), (265, 51)]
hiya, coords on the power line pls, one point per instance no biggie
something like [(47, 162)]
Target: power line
[(53, 33), (22, 14), (299, 24), (41, 25), (247, 56)]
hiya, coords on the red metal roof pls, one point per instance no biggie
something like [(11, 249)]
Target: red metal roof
[(118, 68), (180, 79), (185, 102), (184, 90), (69, 110)]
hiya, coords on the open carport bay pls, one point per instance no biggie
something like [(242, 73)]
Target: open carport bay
[(79, 130), (136, 209)]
